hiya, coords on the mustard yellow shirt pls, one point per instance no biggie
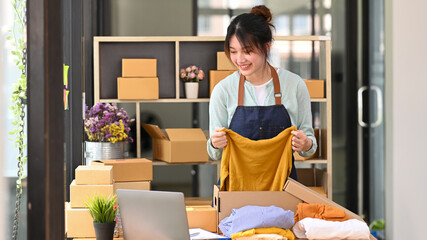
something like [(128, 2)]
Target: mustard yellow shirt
[(262, 165), (271, 230)]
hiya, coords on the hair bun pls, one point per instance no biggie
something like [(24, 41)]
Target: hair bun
[(263, 11)]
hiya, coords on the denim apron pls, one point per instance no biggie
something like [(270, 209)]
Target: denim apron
[(262, 122)]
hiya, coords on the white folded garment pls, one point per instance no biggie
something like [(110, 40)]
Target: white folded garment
[(313, 228), (263, 236)]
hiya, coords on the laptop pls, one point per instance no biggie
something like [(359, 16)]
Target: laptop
[(153, 215)]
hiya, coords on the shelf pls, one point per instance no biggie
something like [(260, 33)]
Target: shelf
[(163, 163), (177, 100), (163, 100), (312, 161)]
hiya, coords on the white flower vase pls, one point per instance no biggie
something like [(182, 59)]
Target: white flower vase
[(191, 89)]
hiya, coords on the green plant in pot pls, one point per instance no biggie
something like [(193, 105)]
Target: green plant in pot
[(103, 211)]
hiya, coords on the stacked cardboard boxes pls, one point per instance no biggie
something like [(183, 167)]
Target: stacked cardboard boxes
[(103, 177), (139, 79), (134, 174), (224, 68), (89, 181)]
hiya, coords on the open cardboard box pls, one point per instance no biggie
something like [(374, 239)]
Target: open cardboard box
[(178, 145), (292, 194)]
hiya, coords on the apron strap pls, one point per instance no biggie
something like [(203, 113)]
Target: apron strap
[(277, 93)]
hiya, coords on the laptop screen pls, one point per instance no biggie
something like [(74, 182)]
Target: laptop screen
[(153, 215)]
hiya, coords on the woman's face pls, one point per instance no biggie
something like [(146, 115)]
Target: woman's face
[(251, 63)]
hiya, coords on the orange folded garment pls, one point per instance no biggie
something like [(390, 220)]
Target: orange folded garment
[(319, 211)]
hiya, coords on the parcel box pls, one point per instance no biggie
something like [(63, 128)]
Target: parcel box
[(142, 185), (94, 175), (314, 178), (79, 223), (315, 154), (203, 217), (223, 63), (288, 199), (139, 67), (137, 88), (129, 170), (79, 194), (215, 76), (177, 145), (316, 88)]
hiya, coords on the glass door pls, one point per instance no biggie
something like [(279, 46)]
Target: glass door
[(371, 113)]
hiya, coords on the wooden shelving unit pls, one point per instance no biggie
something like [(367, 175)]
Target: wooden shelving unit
[(173, 53)]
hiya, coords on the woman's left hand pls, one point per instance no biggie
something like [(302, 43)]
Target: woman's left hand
[(300, 141)]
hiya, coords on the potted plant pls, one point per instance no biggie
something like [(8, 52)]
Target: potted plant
[(191, 75), (103, 211), (107, 129)]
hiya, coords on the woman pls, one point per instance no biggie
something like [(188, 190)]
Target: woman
[(262, 112)]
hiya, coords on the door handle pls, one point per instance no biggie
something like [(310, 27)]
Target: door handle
[(360, 106), (379, 106)]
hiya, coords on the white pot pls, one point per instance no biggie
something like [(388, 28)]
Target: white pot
[(191, 89)]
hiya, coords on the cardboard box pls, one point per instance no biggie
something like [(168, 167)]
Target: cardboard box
[(137, 88), (94, 175), (316, 88), (223, 63), (79, 223), (292, 194), (139, 67), (203, 217), (143, 185), (316, 154), (178, 145), (215, 76), (129, 170), (314, 178), (79, 194)]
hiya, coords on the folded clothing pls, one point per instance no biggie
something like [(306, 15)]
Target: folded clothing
[(285, 233), (249, 217), (263, 237), (313, 228), (320, 211)]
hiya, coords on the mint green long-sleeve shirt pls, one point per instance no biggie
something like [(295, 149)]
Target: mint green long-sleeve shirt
[(295, 98)]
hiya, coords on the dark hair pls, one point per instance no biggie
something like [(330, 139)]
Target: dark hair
[(253, 30)]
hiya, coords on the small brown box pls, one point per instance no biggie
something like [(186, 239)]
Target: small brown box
[(223, 63), (178, 144), (138, 88), (94, 175), (202, 217), (215, 76), (79, 194), (142, 185), (139, 67), (78, 222), (316, 88), (129, 170)]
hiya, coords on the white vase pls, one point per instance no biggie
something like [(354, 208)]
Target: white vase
[(191, 89)]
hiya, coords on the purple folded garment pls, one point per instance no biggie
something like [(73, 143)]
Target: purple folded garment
[(249, 217)]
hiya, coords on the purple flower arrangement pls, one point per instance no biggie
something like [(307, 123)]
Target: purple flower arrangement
[(192, 74), (106, 123)]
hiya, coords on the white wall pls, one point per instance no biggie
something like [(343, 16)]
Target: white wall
[(406, 115)]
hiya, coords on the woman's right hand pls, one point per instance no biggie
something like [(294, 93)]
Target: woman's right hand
[(218, 139)]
